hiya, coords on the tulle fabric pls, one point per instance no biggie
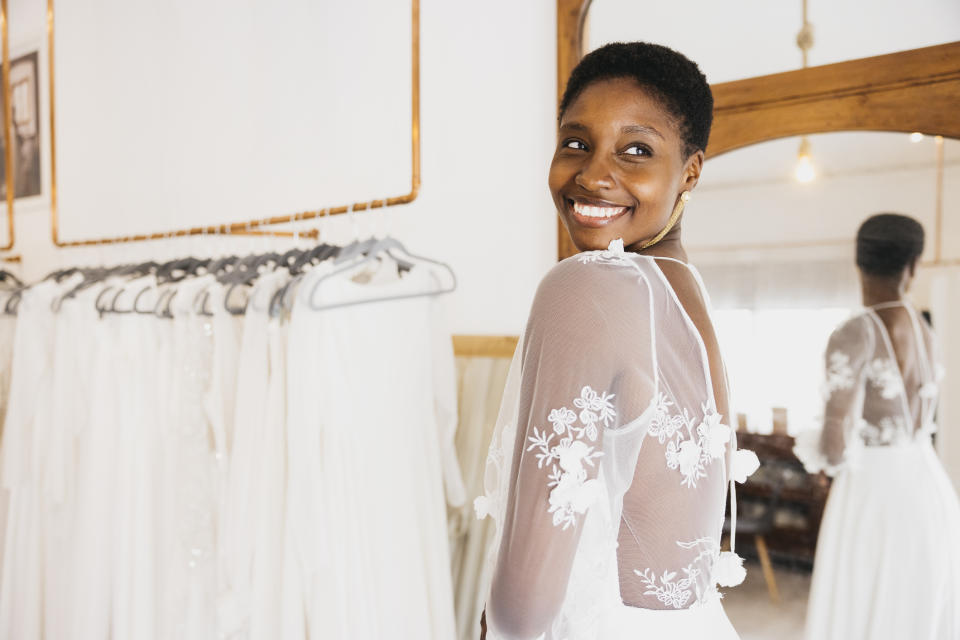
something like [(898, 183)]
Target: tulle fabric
[(607, 472), (887, 565)]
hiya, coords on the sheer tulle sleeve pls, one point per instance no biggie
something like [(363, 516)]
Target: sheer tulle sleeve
[(847, 355), (587, 366)]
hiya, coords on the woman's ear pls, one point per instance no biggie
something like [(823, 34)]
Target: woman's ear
[(691, 170)]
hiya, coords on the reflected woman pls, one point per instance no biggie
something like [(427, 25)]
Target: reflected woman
[(888, 557), (609, 467)]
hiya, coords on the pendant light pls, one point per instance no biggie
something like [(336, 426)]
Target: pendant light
[(805, 170)]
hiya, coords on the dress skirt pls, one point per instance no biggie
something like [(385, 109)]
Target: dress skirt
[(707, 621), (888, 557)]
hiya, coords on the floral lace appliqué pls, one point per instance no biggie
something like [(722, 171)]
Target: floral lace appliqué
[(839, 372), (675, 592), (613, 254), (691, 446), (888, 431), (884, 374), (572, 492)]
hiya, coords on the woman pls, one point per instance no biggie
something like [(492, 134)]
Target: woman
[(887, 563), (608, 471)]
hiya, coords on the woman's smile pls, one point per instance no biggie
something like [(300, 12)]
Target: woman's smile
[(591, 212)]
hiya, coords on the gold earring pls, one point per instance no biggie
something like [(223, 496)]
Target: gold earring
[(677, 211)]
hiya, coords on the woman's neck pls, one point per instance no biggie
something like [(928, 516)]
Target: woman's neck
[(876, 290), (669, 247)]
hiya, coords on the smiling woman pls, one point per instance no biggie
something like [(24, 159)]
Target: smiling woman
[(609, 517), (634, 123)]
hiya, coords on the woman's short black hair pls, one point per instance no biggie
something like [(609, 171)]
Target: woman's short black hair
[(673, 78), (887, 243)]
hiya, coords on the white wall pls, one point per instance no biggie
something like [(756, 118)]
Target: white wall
[(487, 99)]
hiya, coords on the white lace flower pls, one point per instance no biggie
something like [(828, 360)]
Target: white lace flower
[(716, 434), (571, 496), (572, 492), (689, 457), (673, 595), (884, 374), (839, 372), (571, 456), (744, 463), (595, 407), (673, 455), (616, 247), (561, 419)]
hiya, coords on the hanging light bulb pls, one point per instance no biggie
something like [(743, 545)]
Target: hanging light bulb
[(805, 171), (916, 136)]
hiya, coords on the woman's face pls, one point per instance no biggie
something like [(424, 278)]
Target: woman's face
[(619, 166)]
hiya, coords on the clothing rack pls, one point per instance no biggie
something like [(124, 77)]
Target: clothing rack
[(242, 227), (7, 127)]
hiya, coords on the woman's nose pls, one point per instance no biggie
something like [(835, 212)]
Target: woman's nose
[(595, 175)]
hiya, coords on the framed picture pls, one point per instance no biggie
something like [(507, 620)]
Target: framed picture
[(25, 108)]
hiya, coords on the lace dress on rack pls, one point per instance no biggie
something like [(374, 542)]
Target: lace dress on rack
[(609, 466), (887, 563)]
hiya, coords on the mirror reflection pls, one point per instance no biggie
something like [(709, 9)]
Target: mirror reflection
[(779, 254)]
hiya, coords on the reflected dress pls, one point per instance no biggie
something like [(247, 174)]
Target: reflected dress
[(887, 563)]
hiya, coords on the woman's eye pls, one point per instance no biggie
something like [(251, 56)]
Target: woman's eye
[(637, 150), (574, 144)]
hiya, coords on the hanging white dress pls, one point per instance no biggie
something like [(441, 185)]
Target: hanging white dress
[(8, 324), (251, 539), (887, 564), (189, 492), (25, 438), (609, 467), (370, 426)]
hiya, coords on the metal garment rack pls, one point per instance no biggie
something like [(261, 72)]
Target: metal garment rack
[(7, 127), (247, 227)]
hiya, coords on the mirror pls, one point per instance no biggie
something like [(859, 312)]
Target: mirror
[(777, 257)]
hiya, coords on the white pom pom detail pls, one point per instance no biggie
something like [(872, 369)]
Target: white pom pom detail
[(745, 462), (729, 571)]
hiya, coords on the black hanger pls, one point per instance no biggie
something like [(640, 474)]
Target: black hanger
[(6, 276)]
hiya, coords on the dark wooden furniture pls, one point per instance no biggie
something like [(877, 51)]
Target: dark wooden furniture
[(792, 538)]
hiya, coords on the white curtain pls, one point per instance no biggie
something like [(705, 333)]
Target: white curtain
[(480, 385), (782, 285)]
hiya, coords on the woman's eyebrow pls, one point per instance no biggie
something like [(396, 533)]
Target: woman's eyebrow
[(642, 129)]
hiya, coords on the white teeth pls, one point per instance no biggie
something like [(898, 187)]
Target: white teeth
[(597, 212)]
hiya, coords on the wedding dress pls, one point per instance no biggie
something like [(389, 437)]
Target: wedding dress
[(27, 432), (251, 541), (887, 563), (370, 429), (610, 464)]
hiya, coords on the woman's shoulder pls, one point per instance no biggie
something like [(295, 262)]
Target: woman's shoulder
[(597, 271), (855, 330)]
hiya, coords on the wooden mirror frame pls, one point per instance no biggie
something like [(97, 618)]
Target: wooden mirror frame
[(916, 90)]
